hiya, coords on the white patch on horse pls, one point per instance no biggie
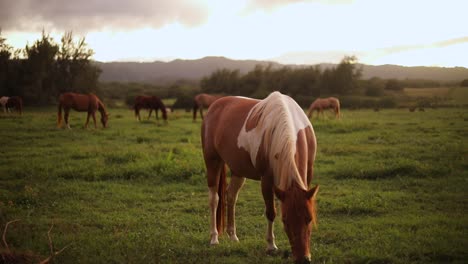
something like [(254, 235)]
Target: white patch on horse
[(3, 102), (281, 120)]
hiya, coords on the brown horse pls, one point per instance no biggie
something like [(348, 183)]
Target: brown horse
[(13, 102), (273, 141), (82, 103), (321, 104), (201, 101), (151, 103)]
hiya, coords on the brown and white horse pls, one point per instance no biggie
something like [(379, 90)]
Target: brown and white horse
[(3, 102), (201, 101), (321, 104), (151, 103), (13, 102), (269, 140), (82, 103)]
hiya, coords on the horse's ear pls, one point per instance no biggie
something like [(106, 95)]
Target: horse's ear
[(279, 193), (312, 192)]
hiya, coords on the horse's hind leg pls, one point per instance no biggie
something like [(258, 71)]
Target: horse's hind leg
[(151, 110), (214, 168), (65, 117), (233, 189)]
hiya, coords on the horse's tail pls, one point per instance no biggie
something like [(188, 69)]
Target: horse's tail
[(337, 111), (309, 112), (59, 114), (221, 210)]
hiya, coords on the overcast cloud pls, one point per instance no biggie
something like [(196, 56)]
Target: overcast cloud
[(409, 32), (94, 15)]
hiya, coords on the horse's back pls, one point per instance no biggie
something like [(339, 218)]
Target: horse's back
[(79, 102), (228, 113)]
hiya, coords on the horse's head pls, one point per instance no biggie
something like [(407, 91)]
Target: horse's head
[(298, 215), (164, 113), (104, 119)]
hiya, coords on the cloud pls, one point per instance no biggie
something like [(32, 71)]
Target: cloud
[(273, 4), (438, 44), (94, 15)]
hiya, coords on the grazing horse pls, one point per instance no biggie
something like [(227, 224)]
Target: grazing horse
[(201, 101), (13, 102), (325, 103), (270, 140), (82, 103), (3, 102), (151, 103)]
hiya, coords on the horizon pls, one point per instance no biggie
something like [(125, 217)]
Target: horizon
[(169, 60), (290, 32)]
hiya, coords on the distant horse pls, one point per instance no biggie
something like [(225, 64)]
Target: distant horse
[(201, 101), (151, 103), (13, 102), (321, 104), (82, 103), (270, 140), (3, 102)]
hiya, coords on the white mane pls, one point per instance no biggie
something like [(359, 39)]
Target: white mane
[(280, 121)]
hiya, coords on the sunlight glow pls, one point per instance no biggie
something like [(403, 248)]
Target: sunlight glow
[(378, 32)]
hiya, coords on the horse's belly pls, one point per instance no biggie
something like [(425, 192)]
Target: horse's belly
[(240, 164)]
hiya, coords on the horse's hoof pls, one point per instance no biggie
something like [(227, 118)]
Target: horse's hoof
[(214, 243), (272, 251), (234, 238)]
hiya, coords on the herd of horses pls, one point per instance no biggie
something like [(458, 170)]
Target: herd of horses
[(270, 140)]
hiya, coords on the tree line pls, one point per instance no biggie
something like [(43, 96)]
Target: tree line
[(306, 81), (43, 70)]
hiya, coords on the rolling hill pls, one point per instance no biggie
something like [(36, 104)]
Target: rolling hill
[(158, 71)]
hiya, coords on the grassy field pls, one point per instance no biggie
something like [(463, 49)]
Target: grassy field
[(393, 189)]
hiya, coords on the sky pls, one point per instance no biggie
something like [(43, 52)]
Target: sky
[(377, 32)]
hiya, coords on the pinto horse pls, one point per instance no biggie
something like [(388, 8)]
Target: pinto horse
[(82, 103), (13, 102), (269, 140), (151, 103), (325, 103), (201, 101)]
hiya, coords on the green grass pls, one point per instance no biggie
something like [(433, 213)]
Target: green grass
[(393, 189)]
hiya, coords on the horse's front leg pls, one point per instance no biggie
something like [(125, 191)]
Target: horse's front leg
[(156, 111), (233, 189), (201, 112), (94, 119), (151, 110), (270, 212), (87, 120)]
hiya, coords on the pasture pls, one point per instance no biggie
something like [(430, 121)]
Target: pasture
[(393, 189)]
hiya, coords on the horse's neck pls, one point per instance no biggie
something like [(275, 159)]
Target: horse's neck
[(101, 108)]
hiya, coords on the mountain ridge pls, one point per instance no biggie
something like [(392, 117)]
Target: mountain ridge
[(160, 71)]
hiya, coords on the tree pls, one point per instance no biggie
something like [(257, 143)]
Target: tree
[(394, 85), (40, 70), (5, 54), (464, 83), (74, 66)]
